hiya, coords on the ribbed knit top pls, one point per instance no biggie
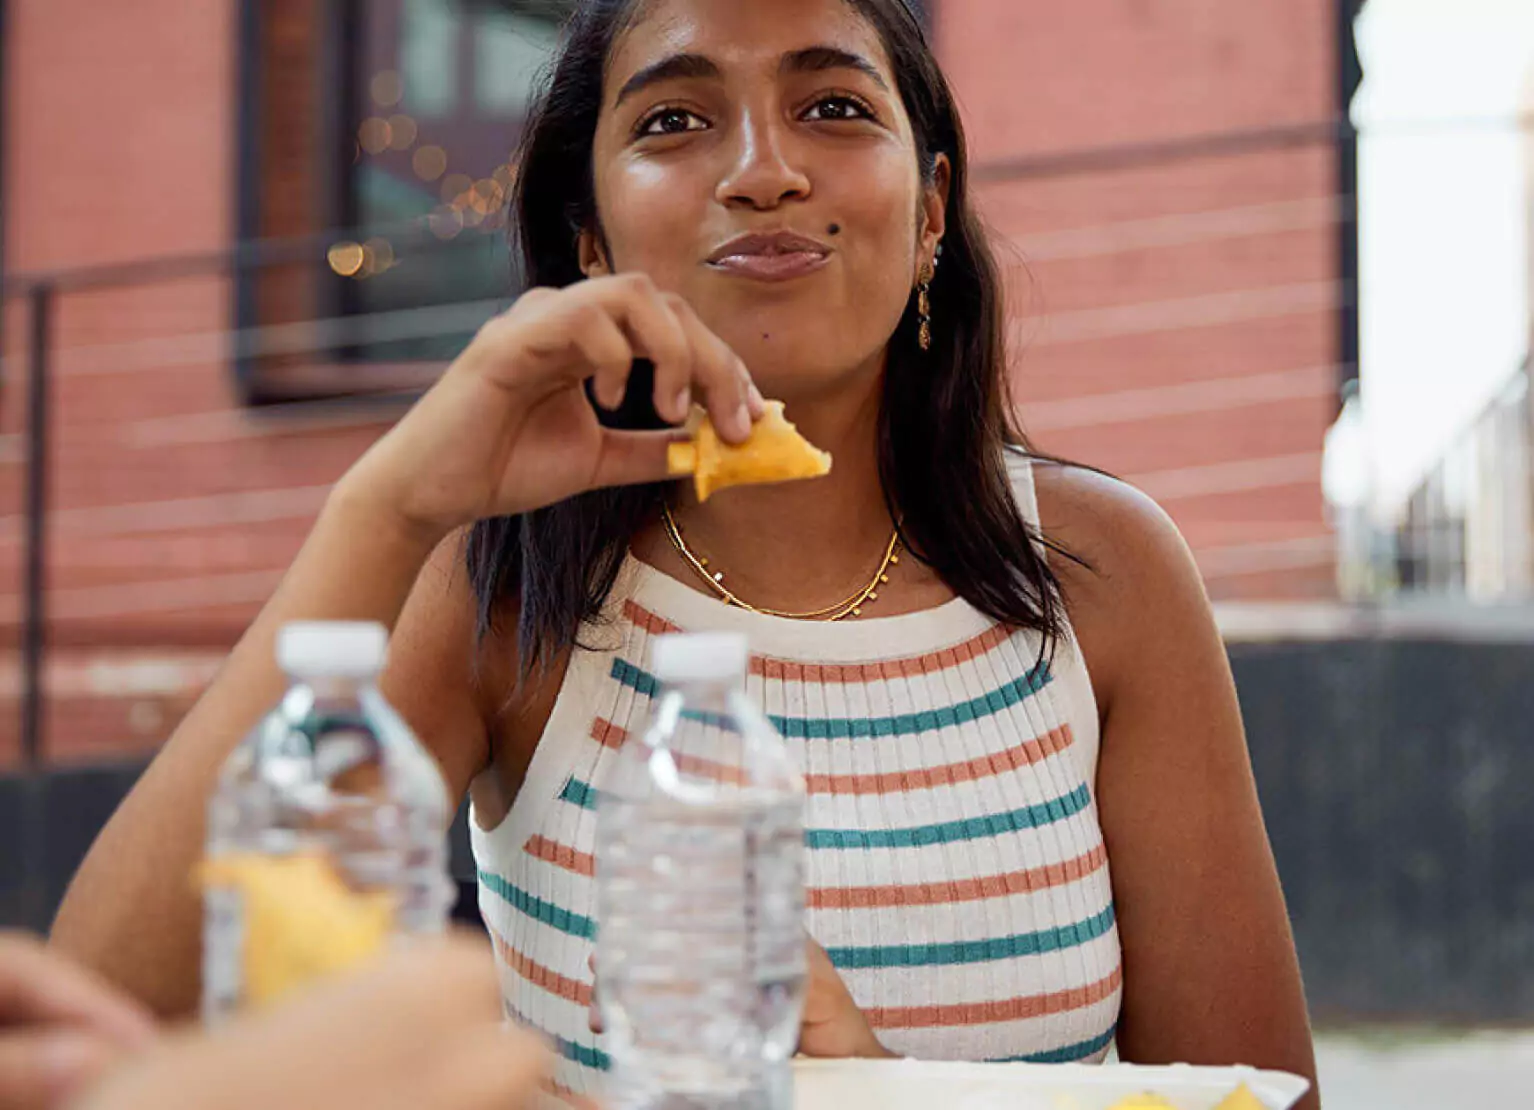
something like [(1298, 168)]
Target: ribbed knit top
[(956, 869)]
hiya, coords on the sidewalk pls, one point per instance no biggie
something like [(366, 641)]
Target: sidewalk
[(1426, 1071)]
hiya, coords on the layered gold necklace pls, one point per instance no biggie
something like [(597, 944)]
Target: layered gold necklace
[(714, 579)]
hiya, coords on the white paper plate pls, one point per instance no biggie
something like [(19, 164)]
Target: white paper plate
[(945, 1085)]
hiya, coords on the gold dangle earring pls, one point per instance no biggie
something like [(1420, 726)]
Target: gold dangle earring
[(924, 306), (924, 299)]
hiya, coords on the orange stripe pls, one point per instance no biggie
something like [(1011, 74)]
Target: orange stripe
[(566, 859), (878, 897), (561, 986), (610, 735), (959, 890), (986, 1013), (1025, 754), (843, 673), (922, 778), (638, 615)]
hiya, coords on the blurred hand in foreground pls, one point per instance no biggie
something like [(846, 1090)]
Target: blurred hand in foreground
[(423, 1029), (61, 1027)]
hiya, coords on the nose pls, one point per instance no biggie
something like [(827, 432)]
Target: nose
[(763, 174)]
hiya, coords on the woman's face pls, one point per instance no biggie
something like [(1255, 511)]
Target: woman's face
[(754, 156)]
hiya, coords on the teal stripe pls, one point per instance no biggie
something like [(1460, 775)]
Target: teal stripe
[(585, 795), (635, 679), (975, 951), (539, 910), (862, 728), (579, 793), (1070, 1054), (593, 1058), (973, 828)]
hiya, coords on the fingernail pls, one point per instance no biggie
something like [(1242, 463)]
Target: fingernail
[(757, 401), (683, 402), (743, 418)]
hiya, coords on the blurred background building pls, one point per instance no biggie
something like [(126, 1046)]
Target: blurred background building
[(303, 200), (240, 235)]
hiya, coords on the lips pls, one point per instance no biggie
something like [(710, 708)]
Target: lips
[(771, 256)]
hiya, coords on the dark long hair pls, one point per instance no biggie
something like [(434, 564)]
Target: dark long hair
[(945, 423)]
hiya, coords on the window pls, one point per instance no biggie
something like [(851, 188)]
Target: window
[(385, 129), (443, 90)]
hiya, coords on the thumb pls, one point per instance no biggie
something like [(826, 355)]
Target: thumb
[(42, 1070), (633, 458)]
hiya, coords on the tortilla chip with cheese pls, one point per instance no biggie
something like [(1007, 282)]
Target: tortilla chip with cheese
[(774, 452)]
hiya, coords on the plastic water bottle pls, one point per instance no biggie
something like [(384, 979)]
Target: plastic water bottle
[(332, 774), (700, 886)]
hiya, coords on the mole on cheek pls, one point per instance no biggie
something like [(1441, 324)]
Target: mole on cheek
[(834, 229)]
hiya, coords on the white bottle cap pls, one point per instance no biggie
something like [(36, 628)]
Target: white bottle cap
[(332, 649), (701, 657)]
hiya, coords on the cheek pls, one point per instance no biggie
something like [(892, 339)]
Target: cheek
[(879, 232), (649, 218)]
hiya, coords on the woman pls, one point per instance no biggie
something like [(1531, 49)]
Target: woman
[(715, 185)]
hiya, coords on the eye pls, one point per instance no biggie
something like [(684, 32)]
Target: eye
[(836, 108), (671, 121)]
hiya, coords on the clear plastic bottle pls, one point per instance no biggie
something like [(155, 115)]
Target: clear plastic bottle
[(700, 888), (332, 774)]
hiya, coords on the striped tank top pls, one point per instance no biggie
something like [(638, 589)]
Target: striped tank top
[(956, 870)]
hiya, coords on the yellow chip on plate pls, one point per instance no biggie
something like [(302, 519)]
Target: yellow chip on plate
[(1240, 1099)]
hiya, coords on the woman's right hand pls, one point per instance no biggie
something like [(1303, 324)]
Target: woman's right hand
[(508, 428)]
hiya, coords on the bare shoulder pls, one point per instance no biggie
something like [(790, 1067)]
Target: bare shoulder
[(1127, 540), (1139, 583)]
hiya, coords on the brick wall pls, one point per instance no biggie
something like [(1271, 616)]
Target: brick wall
[(1176, 321), (174, 509)]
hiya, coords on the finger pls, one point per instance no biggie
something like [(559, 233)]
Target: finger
[(657, 332), (594, 1020), (651, 324), (41, 1070), (732, 399), (38, 987), (607, 352), (632, 458), (488, 1069), (448, 981)]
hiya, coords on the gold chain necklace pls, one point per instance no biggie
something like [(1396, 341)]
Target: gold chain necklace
[(851, 607)]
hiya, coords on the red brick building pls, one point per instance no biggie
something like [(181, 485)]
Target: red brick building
[(1162, 175)]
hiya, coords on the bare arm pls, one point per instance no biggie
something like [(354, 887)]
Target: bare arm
[(1210, 972), (131, 911), (507, 429)]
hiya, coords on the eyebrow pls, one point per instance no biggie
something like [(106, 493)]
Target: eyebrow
[(674, 68), (818, 59), (813, 59)]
